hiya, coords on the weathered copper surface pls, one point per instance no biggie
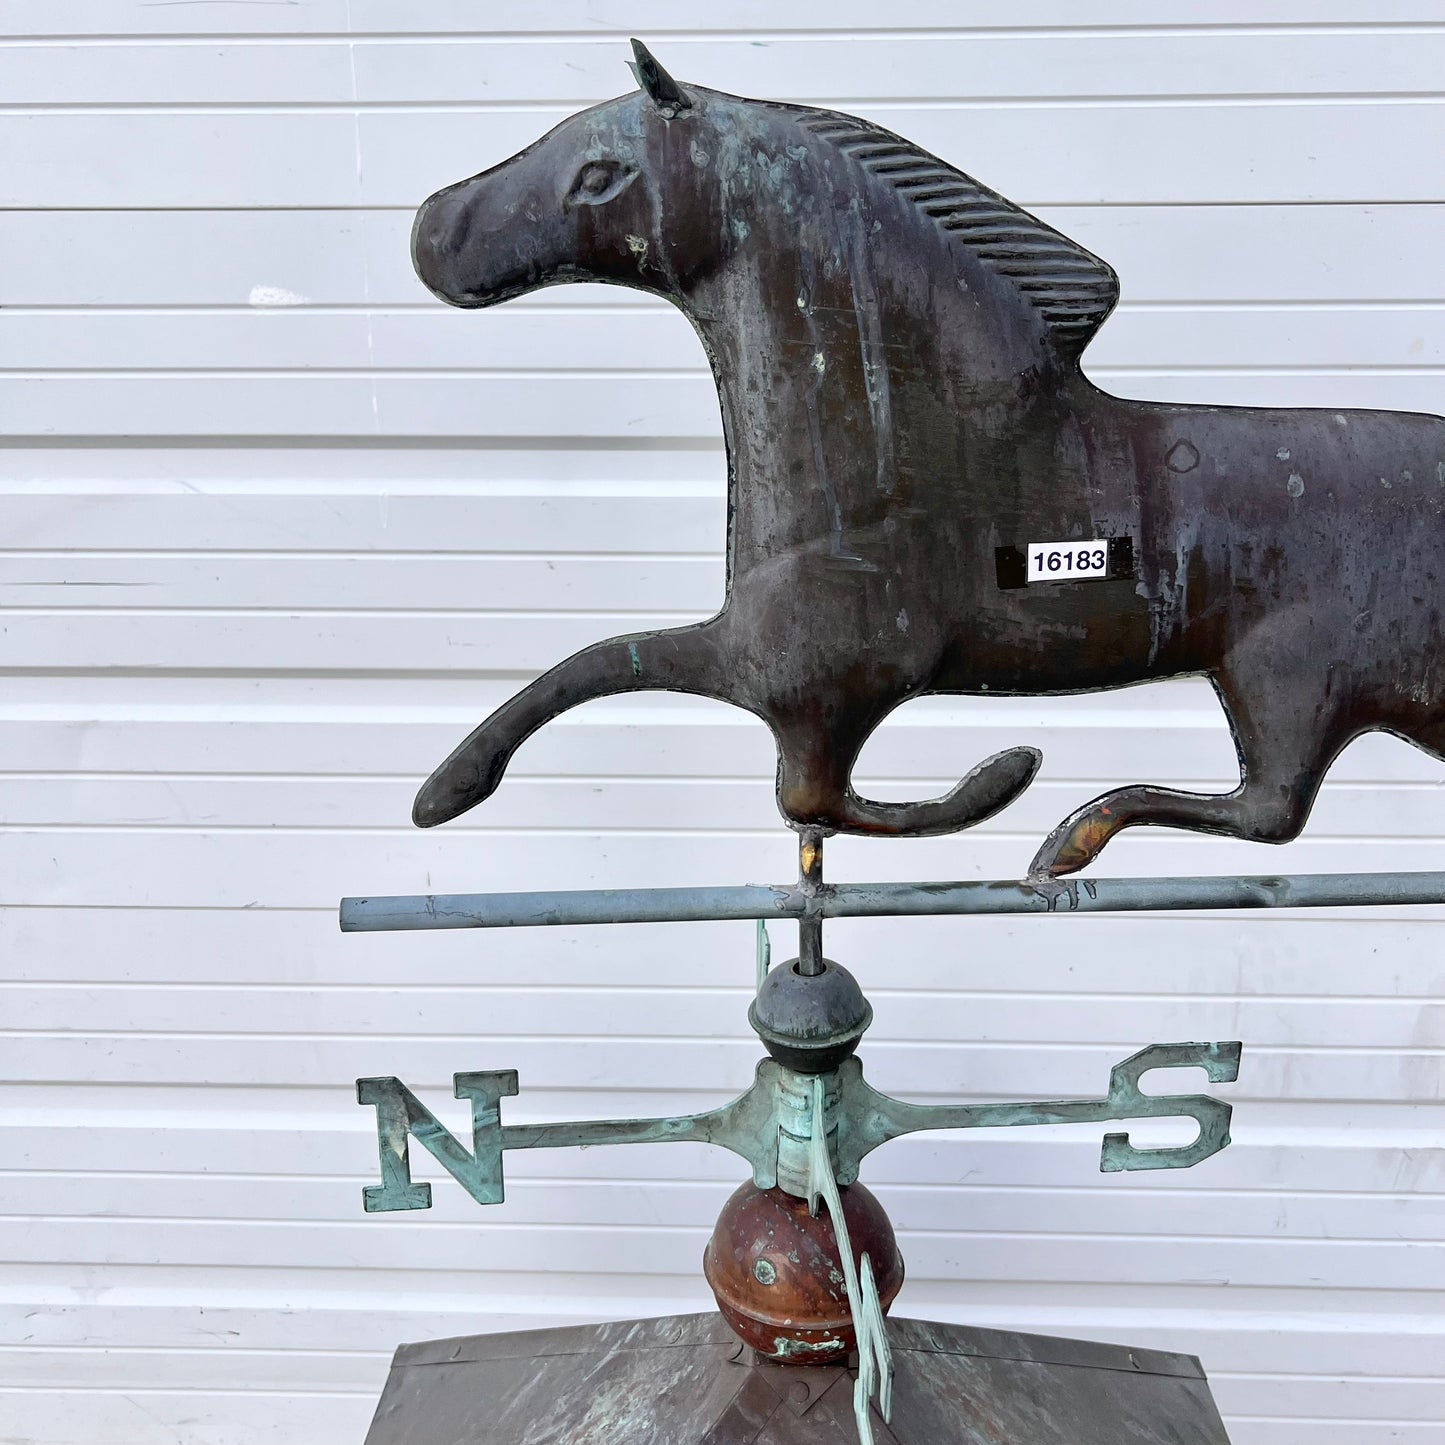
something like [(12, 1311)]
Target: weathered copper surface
[(686, 1380), (774, 1270), (773, 1123), (896, 350)]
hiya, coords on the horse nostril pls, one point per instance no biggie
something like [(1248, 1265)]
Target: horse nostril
[(443, 229)]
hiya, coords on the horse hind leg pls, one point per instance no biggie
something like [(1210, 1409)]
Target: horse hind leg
[(1284, 751), (685, 659)]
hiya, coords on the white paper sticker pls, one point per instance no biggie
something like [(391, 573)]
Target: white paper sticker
[(1068, 561)]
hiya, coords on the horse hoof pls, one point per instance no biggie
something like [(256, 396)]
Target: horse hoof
[(427, 810), (453, 788), (997, 781), (1071, 846)]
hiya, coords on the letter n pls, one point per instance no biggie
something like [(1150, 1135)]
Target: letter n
[(399, 1114)]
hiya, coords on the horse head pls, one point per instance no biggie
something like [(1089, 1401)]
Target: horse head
[(583, 203)]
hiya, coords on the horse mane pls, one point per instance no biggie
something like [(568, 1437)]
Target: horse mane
[(1071, 288)]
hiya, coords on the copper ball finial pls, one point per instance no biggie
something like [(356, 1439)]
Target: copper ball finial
[(776, 1272)]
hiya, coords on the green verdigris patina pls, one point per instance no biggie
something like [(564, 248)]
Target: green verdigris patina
[(772, 1123)]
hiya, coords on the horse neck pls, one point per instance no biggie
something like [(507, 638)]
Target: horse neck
[(821, 429)]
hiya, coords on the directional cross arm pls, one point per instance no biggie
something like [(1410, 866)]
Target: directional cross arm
[(740, 1125), (870, 1118), (771, 1123)]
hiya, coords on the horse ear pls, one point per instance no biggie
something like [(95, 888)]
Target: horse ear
[(666, 94)]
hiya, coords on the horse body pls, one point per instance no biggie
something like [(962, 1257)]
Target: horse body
[(896, 354)]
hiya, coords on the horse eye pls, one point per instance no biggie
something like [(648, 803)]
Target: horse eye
[(599, 181)]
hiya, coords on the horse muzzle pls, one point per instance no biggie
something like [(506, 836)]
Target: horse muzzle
[(439, 247), (475, 244)]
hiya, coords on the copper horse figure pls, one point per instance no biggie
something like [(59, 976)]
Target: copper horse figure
[(896, 350)]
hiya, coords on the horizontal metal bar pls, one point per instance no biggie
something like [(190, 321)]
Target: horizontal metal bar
[(885, 900)]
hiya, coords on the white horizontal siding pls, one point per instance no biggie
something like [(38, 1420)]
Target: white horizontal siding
[(278, 529)]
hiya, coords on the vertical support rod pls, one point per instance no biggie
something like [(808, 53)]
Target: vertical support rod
[(810, 885)]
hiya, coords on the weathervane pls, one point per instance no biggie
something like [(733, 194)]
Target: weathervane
[(896, 350)]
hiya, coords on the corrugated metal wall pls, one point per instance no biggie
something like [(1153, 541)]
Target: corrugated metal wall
[(278, 529)]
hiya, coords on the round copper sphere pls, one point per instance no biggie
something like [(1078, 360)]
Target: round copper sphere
[(776, 1272)]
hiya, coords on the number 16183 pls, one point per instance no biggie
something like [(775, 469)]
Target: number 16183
[(1067, 561)]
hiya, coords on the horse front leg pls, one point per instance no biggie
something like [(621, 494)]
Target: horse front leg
[(686, 659), (982, 792), (815, 765)]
